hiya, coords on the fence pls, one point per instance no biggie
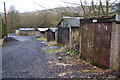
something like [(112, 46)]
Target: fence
[(96, 40), (2, 28)]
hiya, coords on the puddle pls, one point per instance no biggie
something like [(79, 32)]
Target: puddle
[(44, 48), (54, 47), (51, 47)]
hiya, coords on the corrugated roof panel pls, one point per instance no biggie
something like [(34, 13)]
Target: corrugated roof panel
[(42, 29), (27, 29), (53, 29)]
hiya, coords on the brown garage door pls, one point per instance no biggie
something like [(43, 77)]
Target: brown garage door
[(102, 44), (95, 44), (63, 35)]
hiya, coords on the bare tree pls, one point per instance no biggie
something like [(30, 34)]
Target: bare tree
[(90, 9), (13, 18)]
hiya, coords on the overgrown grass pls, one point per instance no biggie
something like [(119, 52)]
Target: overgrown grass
[(74, 50), (53, 43), (43, 39)]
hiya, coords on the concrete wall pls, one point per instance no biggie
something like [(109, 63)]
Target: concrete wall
[(119, 49), (115, 48)]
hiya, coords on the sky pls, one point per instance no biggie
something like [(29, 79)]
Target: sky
[(32, 5)]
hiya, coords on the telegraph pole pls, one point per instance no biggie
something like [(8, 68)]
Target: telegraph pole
[(5, 18)]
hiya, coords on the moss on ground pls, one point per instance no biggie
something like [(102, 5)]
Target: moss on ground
[(43, 39)]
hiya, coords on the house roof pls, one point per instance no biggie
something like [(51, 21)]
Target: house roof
[(26, 29), (42, 29), (53, 29)]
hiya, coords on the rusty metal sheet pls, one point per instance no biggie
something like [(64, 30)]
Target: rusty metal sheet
[(102, 44), (95, 44), (87, 41)]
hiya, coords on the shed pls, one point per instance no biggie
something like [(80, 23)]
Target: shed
[(68, 30), (27, 31), (42, 32), (51, 34)]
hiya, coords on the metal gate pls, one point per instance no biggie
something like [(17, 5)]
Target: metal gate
[(63, 35)]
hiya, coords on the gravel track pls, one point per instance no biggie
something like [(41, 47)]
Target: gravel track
[(22, 57)]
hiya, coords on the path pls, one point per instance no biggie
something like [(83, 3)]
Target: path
[(22, 58)]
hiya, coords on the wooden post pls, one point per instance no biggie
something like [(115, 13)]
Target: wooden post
[(5, 18)]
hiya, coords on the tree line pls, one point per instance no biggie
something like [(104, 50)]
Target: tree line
[(51, 17)]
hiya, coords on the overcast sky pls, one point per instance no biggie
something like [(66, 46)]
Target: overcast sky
[(30, 5)]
